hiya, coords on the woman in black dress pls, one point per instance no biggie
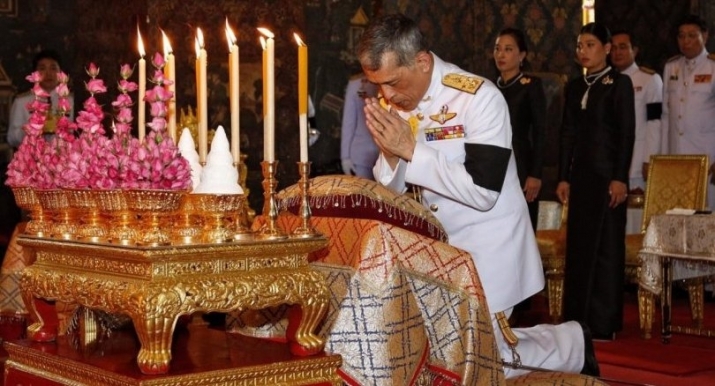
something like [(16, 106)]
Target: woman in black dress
[(527, 112), (596, 146)]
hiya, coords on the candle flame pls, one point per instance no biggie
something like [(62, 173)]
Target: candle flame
[(263, 42), (140, 43), (199, 38), (230, 37), (298, 39), (167, 45), (267, 33)]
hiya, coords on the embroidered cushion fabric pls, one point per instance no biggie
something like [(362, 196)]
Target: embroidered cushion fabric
[(404, 308), (355, 197)]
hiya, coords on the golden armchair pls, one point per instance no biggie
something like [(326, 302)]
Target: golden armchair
[(674, 181), (552, 247)]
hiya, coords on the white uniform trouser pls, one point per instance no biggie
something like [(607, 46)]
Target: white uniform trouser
[(558, 347)]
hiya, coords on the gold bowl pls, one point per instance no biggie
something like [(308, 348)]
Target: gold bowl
[(91, 226), (216, 210), (26, 199), (152, 206), (113, 204), (57, 201)]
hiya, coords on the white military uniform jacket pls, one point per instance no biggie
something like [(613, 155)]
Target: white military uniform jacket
[(648, 92), (688, 121), (494, 227), (19, 115)]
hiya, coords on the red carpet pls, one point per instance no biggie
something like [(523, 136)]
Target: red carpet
[(630, 360)]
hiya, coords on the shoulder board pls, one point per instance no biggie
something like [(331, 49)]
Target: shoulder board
[(711, 56), (673, 58), (464, 83), (646, 70)]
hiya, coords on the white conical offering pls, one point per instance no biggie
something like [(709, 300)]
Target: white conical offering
[(187, 148), (219, 176)]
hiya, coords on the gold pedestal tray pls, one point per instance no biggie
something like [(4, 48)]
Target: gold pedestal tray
[(202, 356), (155, 285)]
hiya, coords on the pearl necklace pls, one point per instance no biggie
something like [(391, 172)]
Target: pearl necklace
[(596, 76), (501, 85)]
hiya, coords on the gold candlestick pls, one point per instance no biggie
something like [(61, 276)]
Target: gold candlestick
[(270, 207), (305, 229)]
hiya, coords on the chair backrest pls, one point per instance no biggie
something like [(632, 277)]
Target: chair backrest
[(675, 181)]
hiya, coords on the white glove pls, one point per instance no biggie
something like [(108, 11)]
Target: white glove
[(347, 166)]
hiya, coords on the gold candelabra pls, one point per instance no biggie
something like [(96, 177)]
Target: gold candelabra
[(270, 208), (305, 229)]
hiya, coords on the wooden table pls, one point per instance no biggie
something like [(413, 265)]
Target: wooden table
[(156, 285), (675, 247)]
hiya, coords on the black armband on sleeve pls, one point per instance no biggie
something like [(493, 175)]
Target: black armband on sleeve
[(487, 164), (653, 111)]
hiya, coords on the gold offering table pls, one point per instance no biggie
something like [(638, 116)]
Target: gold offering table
[(156, 285)]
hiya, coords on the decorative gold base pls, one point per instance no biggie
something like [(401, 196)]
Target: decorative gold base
[(206, 357)]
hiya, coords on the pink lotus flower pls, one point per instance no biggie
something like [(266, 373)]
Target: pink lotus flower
[(158, 61), (92, 70), (125, 71), (95, 86)]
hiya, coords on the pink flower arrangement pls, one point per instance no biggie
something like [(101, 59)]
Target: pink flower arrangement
[(24, 169), (81, 156)]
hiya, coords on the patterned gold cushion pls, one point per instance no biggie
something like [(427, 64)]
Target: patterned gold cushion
[(354, 197)]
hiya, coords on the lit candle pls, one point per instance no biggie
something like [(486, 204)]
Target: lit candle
[(302, 97), (203, 94), (170, 74), (141, 113), (233, 93), (269, 115)]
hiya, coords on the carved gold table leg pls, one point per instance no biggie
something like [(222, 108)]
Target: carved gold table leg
[(303, 319), (555, 293), (696, 292), (646, 312), (155, 334), (43, 314)]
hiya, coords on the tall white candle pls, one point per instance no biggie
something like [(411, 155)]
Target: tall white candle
[(141, 105), (203, 101), (302, 97), (170, 74), (233, 78), (269, 134)]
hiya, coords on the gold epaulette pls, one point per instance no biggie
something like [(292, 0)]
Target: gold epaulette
[(676, 57), (646, 70), (461, 82), (711, 56)]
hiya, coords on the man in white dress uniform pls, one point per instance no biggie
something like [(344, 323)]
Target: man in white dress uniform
[(648, 92), (446, 132), (688, 121)]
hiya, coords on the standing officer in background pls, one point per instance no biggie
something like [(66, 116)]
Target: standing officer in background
[(48, 64), (688, 122), (358, 151), (648, 92), (447, 133)]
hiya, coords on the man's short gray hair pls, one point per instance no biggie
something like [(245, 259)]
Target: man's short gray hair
[(390, 33)]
